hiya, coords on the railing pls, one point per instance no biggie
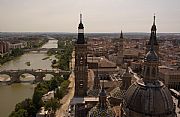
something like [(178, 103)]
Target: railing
[(34, 70), (40, 49)]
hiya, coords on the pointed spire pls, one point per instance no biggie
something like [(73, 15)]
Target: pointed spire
[(152, 45), (102, 88), (102, 97), (103, 85), (80, 18), (150, 71), (153, 29), (127, 70), (96, 79), (121, 36), (80, 24), (81, 39), (154, 19), (153, 33)]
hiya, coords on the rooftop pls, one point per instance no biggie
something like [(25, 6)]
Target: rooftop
[(79, 100)]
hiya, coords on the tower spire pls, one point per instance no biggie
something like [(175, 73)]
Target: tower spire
[(80, 18), (102, 97), (154, 19), (96, 79), (151, 60), (121, 36), (103, 84), (153, 38), (152, 43), (153, 29), (80, 39)]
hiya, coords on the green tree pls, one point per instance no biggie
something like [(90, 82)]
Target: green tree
[(17, 52), (54, 84), (52, 104), (19, 113), (58, 94)]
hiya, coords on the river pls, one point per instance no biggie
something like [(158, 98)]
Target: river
[(10, 95)]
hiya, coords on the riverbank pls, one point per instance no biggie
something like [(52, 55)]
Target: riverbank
[(15, 93), (12, 94), (14, 54), (29, 107)]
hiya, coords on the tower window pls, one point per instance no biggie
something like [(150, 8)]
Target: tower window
[(81, 60), (81, 83)]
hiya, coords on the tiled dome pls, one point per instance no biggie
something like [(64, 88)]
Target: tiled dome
[(117, 93), (97, 112), (152, 100)]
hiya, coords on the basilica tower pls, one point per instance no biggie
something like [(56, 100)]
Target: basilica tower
[(153, 38), (149, 97), (120, 50), (81, 70)]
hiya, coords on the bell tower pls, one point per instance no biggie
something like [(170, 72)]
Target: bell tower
[(120, 50), (81, 70), (153, 39)]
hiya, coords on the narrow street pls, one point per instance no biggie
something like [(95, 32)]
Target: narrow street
[(66, 99), (62, 111)]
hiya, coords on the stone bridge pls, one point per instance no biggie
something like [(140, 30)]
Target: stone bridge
[(42, 49), (38, 74)]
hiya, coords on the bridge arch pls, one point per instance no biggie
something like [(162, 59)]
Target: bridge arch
[(15, 75), (48, 76), (5, 78), (27, 77)]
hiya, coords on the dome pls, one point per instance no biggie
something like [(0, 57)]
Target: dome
[(151, 56), (97, 112), (151, 99)]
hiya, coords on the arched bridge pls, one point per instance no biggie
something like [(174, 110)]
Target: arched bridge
[(42, 49), (38, 73)]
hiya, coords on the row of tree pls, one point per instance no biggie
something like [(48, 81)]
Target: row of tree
[(64, 55), (29, 107)]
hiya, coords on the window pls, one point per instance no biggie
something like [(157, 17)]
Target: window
[(81, 83)]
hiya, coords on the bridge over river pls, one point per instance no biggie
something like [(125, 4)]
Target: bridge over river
[(42, 49), (37, 73)]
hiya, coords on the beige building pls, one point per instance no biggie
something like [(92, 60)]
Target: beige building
[(170, 77)]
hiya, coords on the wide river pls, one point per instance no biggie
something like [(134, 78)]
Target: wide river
[(12, 94)]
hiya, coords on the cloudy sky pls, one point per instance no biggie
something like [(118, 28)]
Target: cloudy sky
[(98, 15)]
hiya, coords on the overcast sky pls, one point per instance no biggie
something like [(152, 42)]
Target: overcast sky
[(98, 15)]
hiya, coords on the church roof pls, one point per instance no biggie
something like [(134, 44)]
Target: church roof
[(97, 112), (117, 93)]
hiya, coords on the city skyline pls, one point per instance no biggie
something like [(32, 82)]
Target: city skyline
[(98, 15)]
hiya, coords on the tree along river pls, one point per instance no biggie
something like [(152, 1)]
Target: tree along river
[(12, 94)]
